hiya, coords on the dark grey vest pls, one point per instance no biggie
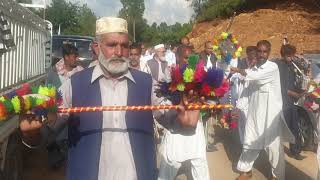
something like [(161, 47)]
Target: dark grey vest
[(154, 67)]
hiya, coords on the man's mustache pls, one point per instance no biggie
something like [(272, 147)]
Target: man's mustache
[(121, 59)]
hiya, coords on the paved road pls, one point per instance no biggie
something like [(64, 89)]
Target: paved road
[(221, 163)]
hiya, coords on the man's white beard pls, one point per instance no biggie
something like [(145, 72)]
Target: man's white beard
[(114, 65), (162, 58)]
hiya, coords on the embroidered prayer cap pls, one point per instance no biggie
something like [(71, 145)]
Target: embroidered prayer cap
[(159, 46), (111, 25)]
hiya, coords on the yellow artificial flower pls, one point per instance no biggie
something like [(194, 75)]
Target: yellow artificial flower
[(238, 54), (180, 87), (16, 104), (2, 98), (224, 35), (27, 103)]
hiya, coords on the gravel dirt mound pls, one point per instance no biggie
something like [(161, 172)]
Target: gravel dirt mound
[(299, 23)]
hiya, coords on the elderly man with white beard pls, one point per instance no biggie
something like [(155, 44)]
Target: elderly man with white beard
[(111, 144), (158, 66)]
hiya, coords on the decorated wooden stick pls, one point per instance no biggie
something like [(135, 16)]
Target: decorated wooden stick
[(140, 108)]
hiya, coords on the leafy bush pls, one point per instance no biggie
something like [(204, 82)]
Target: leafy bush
[(163, 33), (212, 9)]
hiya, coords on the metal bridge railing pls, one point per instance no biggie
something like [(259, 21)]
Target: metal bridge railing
[(29, 58)]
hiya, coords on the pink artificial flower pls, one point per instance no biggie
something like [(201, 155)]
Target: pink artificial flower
[(199, 72), (233, 124), (224, 88), (308, 104)]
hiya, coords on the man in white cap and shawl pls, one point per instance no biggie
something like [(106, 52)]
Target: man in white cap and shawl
[(112, 144), (158, 66)]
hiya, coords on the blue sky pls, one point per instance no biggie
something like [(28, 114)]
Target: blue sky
[(169, 11)]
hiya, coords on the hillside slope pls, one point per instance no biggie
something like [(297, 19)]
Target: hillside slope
[(300, 24)]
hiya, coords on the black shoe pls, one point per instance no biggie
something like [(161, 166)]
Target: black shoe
[(296, 156)]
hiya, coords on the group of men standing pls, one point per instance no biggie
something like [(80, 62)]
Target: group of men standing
[(120, 145), (175, 140), (268, 90)]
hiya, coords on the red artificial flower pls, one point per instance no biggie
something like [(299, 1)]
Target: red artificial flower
[(50, 103), (173, 86), (3, 111), (176, 74), (24, 90), (226, 115), (224, 88), (205, 90), (190, 86)]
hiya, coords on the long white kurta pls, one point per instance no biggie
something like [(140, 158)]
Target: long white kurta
[(263, 123), (178, 148)]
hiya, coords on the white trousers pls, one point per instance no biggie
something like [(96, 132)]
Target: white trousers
[(318, 158), (169, 170), (276, 159)]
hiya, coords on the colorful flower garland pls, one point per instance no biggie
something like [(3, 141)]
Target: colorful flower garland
[(38, 100), (193, 76), (43, 99), (227, 121), (312, 101), (224, 53)]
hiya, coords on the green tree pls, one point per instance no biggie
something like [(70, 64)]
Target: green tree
[(197, 6), (24, 1), (163, 27), (72, 18), (63, 14), (205, 10), (220, 8), (132, 11), (85, 23), (163, 33)]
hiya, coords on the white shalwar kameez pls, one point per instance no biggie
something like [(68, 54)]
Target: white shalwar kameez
[(264, 119), (316, 77), (242, 105), (177, 148), (318, 150)]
